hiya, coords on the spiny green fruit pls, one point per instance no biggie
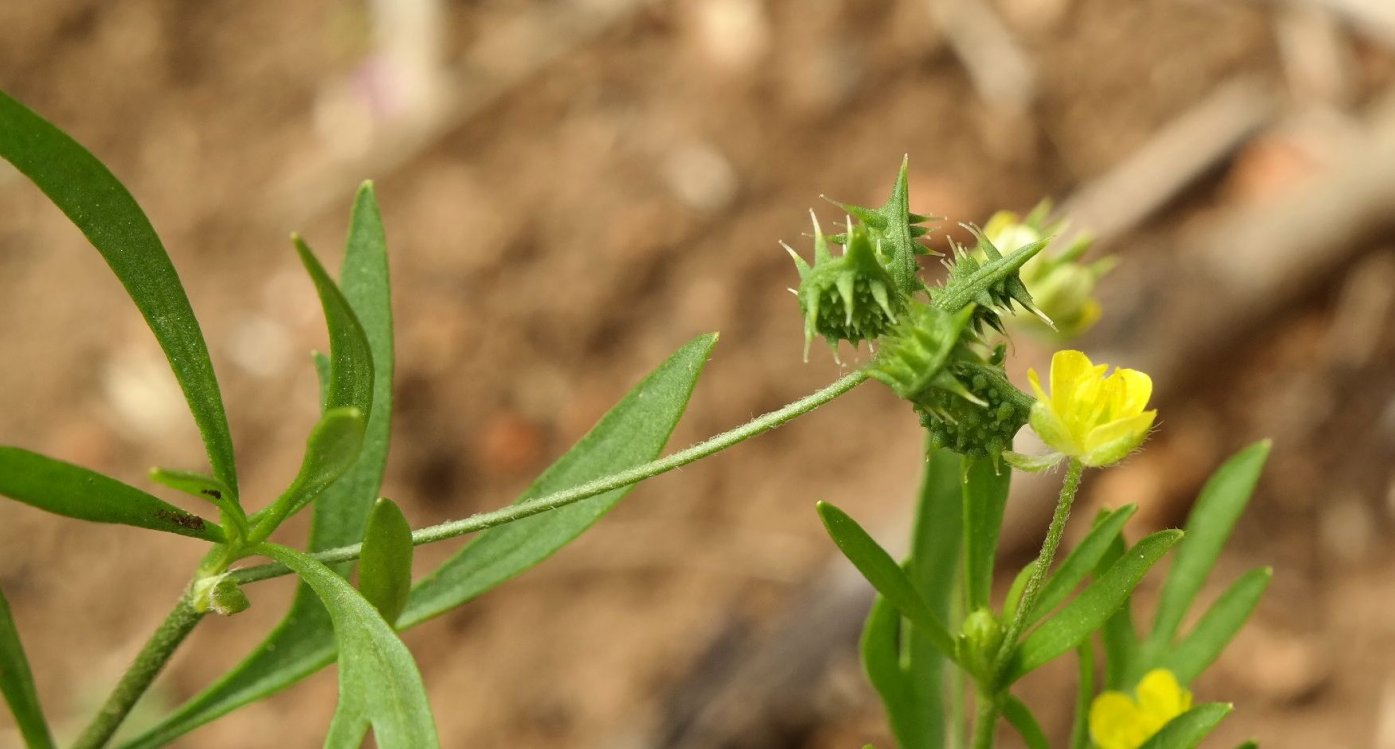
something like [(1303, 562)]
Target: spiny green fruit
[(917, 352), (847, 298), (993, 284), (894, 231), (981, 427)]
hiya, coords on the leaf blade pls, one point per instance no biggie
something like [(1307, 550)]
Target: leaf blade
[(1021, 718), (1080, 562), (1188, 729), (632, 432), (1092, 608), (1208, 526), (385, 567), (1217, 626), (985, 497), (884, 574), (378, 679), (17, 684), (76, 492), (103, 209)]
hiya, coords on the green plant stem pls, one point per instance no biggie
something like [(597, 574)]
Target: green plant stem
[(148, 664), (1054, 533), (985, 721), (528, 508)]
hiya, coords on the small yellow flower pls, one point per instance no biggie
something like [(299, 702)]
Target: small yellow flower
[(1118, 721), (1088, 416)]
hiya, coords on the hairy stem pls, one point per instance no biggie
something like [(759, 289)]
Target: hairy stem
[(1069, 487), (148, 664), (985, 721), (528, 508)]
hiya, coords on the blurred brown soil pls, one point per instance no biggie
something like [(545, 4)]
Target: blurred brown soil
[(554, 246)]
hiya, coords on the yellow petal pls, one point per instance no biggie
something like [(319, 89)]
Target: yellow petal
[(1161, 698), (1116, 722), (1069, 370), (1036, 386), (1130, 390), (1111, 443)]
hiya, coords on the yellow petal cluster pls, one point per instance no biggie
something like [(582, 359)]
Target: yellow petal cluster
[(1119, 721), (1094, 418)]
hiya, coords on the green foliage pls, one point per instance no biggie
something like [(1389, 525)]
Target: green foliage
[(936, 353), (99, 205), (1088, 612), (17, 684), (1188, 729), (75, 492), (378, 681), (885, 575), (385, 568)]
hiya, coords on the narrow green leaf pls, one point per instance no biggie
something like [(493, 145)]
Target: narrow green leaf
[(73, 491), (632, 432), (1021, 718), (1217, 627), (1084, 695), (1188, 729), (1081, 561), (200, 485), (1092, 608), (302, 643), (1118, 635), (880, 647), (985, 496), (385, 567), (105, 212), (378, 680), (884, 574), (1211, 521), (330, 451), (321, 363), (17, 684), (934, 569), (350, 356)]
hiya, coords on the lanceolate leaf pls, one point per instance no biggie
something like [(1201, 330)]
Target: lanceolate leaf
[(73, 491), (985, 496), (634, 431), (1222, 500), (881, 646), (1188, 729), (106, 213), (1081, 561), (350, 357), (17, 684), (385, 567), (884, 574), (1217, 627), (378, 680), (1092, 608)]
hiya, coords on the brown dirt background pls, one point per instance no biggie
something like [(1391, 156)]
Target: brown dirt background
[(555, 244)]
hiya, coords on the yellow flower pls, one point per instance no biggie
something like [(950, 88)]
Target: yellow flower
[(1118, 721), (1089, 416)]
